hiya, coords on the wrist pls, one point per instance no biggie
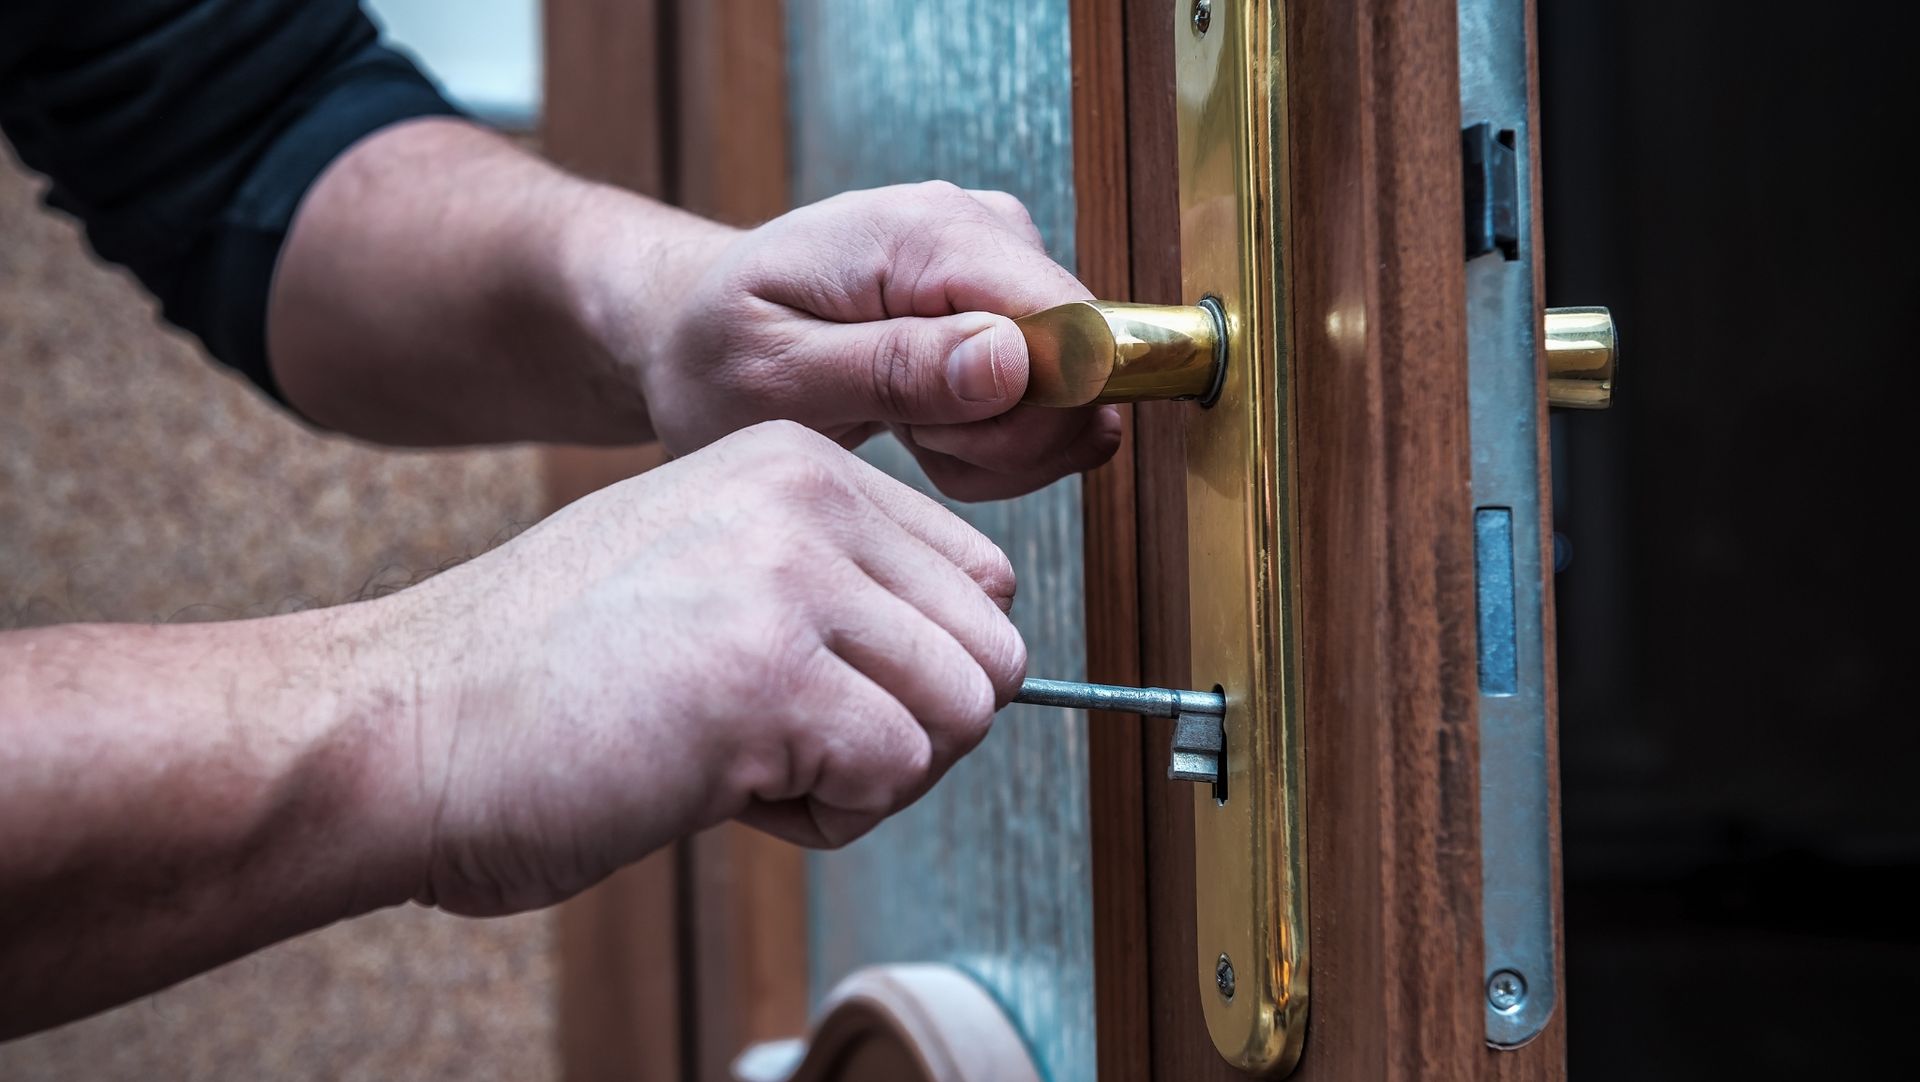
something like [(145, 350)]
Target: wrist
[(362, 755), (628, 270)]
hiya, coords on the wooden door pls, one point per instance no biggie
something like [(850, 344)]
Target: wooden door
[(1378, 307)]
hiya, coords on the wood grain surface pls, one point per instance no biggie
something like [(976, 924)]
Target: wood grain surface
[(604, 104), (1115, 750)]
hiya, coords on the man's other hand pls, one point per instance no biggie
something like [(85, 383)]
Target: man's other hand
[(767, 629)]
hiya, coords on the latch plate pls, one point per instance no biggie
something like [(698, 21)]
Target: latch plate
[(1519, 973), (1250, 847)]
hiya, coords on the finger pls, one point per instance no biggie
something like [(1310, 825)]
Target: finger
[(961, 480), (1029, 438), (852, 437), (915, 370), (809, 823), (955, 689), (927, 249), (973, 269), (935, 524), (856, 747), (912, 657), (860, 757), (1011, 211)]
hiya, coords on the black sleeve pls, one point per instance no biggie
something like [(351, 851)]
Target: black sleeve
[(183, 133)]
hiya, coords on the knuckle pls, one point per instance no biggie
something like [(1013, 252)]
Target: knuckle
[(1009, 665), (842, 828), (910, 766), (1010, 205), (804, 475), (774, 661), (890, 370), (939, 193), (807, 573), (915, 761), (786, 434), (975, 710), (993, 571)]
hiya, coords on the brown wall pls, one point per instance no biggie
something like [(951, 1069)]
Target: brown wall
[(139, 482)]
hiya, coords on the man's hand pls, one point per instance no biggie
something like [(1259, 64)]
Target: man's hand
[(442, 286), (769, 628), (878, 308)]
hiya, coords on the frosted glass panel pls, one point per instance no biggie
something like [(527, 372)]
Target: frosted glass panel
[(991, 870)]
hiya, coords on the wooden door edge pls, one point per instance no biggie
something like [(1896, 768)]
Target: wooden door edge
[(1117, 829)]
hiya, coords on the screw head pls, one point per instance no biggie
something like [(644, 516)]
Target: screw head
[(1506, 991), (1223, 976), (1202, 15)]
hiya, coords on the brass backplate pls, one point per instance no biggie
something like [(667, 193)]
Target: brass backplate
[(1250, 838)]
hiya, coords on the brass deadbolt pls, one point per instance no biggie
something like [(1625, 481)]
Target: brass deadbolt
[(1583, 353)]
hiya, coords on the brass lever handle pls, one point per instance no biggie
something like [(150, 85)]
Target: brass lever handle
[(1104, 351), (1583, 352)]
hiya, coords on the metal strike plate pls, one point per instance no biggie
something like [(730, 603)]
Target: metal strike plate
[(1520, 970), (1249, 830)]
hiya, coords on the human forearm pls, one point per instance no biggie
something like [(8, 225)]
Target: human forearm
[(174, 797), (441, 286), (767, 628)]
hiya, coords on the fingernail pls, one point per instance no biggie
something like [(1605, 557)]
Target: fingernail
[(970, 369)]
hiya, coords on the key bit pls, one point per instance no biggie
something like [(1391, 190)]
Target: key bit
[(1199, 734)]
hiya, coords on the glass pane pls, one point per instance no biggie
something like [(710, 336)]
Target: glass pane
[(990, 871)]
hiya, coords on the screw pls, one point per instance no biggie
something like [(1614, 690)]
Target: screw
[(1202, 18), (1506, 991), (1223, 977)]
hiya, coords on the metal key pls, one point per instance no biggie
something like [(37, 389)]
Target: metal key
[(1199, 733)]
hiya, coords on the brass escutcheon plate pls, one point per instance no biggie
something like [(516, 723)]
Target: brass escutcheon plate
[(1250, 848)]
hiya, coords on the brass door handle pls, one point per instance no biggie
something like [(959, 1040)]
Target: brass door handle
[(1106, 351)]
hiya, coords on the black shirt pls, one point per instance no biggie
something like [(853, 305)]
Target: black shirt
[(184, 132)]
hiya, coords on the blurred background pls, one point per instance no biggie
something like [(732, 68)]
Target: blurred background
[(140, 482), (1739, 733), (486, 54)]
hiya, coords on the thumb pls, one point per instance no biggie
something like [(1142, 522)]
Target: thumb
[(921, 370)]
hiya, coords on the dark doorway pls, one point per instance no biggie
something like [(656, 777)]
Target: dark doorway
[(1740, 734)]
